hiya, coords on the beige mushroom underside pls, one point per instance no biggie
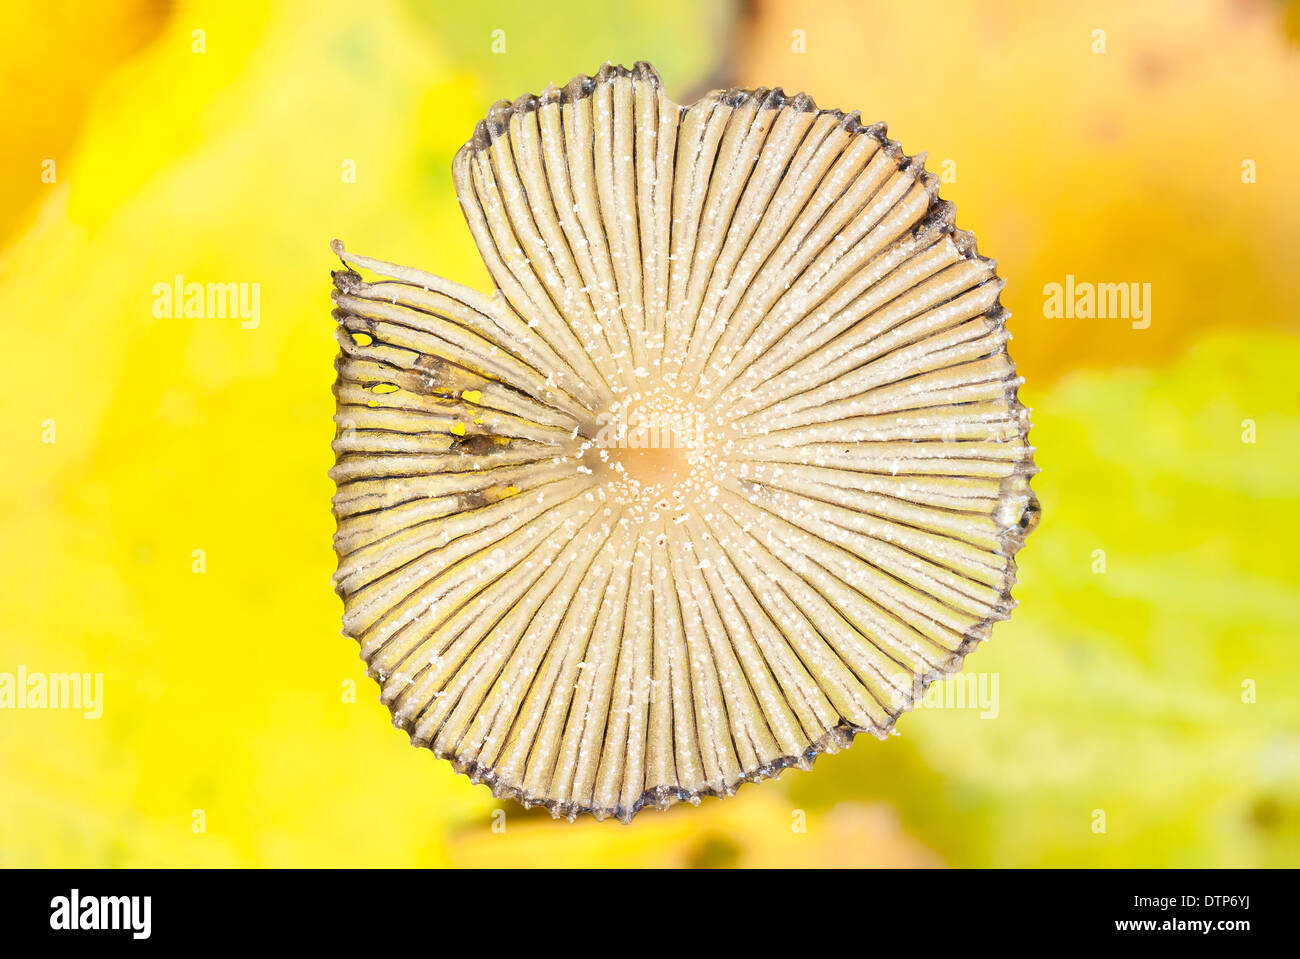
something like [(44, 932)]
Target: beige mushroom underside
[(847, 530)]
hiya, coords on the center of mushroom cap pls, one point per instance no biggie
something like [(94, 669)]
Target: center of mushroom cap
[(656, 450)]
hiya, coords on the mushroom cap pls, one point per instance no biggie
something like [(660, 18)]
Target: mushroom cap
[(728, 469)]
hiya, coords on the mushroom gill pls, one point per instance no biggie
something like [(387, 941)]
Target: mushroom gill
[(729, 468)]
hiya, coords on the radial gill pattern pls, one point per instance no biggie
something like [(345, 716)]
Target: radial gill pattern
[(728, 468)]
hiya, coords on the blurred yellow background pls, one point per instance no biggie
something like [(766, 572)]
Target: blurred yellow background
[(1148, 706)]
